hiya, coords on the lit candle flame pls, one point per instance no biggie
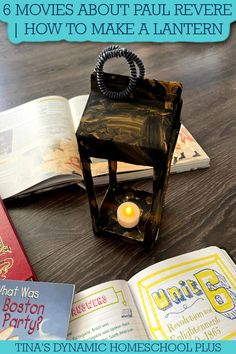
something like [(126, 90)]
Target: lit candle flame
[(128, 215), (129, 210)]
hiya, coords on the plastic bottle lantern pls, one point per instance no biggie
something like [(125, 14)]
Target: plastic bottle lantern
[(137, 121)]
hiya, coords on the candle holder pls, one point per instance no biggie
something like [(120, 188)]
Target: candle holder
[(134, 120)]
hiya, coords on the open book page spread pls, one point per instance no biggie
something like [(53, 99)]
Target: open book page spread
[(188, 153), (106, 311), (33, 310), (37, 143), (192, 296)]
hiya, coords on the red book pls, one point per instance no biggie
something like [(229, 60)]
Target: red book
[(14, 263)]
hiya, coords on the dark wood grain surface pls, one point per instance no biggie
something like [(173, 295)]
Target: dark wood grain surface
[(55, 226)]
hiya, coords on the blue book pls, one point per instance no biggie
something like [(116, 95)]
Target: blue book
[(34, 310)]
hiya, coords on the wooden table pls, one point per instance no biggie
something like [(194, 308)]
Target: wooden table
[(55, 226)]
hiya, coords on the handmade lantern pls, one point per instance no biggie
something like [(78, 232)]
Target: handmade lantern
[(133, 120)]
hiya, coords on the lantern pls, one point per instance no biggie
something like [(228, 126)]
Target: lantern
[(134, 120)]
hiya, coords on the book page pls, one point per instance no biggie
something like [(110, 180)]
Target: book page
[(188, 154), (105, 311), (37, 142), (77, 106), (192, 296)]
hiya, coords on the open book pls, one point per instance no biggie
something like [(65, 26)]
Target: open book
[(38, 148), (192, 296)]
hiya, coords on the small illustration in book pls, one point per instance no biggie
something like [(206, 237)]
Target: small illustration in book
[(60, 157), (190, 303), (186, 147)]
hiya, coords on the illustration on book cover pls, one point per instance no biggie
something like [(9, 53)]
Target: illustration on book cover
[(31, 310), (6, 261)]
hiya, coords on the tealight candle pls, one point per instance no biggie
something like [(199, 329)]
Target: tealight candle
[(128, 215)]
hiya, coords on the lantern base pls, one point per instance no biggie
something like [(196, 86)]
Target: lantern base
[(108, 224)]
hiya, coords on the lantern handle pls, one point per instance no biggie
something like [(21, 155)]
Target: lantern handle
[(133, 61)]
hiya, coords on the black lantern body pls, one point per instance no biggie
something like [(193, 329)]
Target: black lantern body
[(141, 130)]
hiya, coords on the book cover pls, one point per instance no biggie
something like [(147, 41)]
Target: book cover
[(34, 310), (14, 263)]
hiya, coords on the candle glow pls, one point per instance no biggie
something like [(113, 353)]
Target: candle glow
[(128, 215), (129, 210)]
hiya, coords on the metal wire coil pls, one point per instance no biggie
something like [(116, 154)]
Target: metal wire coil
[(133, 61)]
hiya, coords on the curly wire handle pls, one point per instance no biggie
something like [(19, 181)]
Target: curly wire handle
[(133, 61)]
